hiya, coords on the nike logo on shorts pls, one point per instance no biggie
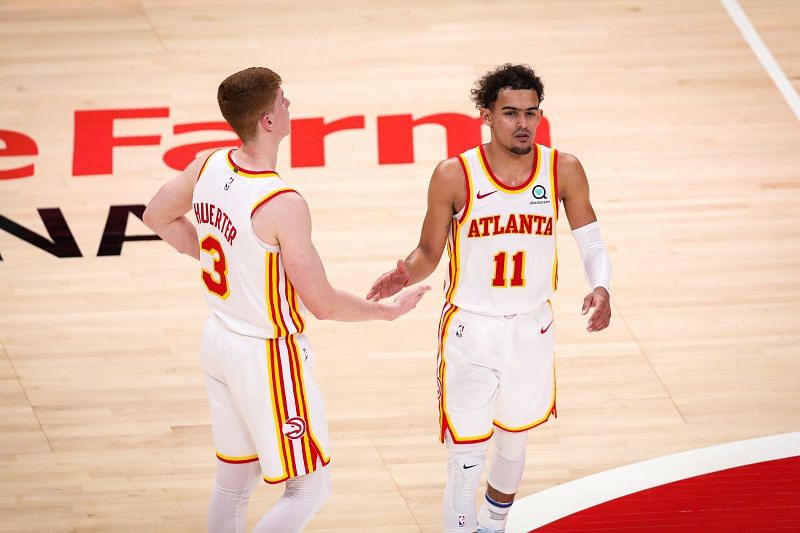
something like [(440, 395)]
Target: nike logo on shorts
[(465, 467), (544, 329), (481, 195)]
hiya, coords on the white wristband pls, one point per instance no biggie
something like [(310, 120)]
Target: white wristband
[(596, 263)]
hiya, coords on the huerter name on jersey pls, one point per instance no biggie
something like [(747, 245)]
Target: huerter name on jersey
[(207, 213)]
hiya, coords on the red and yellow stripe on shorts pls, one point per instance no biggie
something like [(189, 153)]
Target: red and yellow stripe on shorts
[(287, 387), (289, 400)]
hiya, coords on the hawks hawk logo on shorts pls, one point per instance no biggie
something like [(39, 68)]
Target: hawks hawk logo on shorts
[(294, 428), (460, 330)]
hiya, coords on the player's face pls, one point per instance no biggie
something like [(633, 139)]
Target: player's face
[(514, 119), (280, 114)]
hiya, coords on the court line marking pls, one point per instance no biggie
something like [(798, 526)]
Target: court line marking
[(563, 500), (763, 54)]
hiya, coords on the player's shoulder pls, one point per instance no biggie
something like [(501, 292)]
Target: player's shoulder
[(283, 200), (196, 167), (204, 156), (566, 158), (568, 165), (449, 169)]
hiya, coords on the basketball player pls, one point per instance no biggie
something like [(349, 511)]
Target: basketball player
[(496, 207), (259, 271)]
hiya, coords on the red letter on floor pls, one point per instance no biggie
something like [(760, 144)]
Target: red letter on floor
[(94, 137), (17, 144)]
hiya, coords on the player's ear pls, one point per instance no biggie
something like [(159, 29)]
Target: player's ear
[(486, 115), (266, 122)]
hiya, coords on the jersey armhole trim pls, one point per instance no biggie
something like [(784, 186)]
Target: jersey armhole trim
[(556, 199), (205, 163), (269, 197), (468, 189)]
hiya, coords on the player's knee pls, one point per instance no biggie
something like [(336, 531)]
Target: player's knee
[(510, 445), (236, 479), (311, 490), (325, 486), (465, 464)]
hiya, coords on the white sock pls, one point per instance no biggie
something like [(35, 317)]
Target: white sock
[(303, 497), (227, 512), (493, 515)]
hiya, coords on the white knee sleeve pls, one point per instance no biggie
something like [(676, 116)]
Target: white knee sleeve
[(509, 460), (227, 512), (464, 466), (303, 497)]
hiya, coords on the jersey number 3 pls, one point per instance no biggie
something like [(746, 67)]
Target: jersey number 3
[(517, 278), (216, 281)]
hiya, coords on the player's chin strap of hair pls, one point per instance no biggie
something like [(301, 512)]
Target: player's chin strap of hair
[(596, 263)]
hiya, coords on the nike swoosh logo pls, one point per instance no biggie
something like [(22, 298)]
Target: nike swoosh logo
[(544, 330), (479, 195), (465, 467)]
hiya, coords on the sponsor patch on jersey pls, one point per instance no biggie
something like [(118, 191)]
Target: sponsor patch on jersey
[(539, 194)]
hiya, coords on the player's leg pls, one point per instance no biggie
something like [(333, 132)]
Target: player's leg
[(302, 498), (505, 474), (238, 469), (233, 484), (525, 399), (290, 433), (469, 355), (464, 466)]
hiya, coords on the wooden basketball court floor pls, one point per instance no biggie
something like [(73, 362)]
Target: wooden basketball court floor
[(694, 162)]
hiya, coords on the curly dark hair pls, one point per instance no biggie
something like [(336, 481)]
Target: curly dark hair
[(506, 76)]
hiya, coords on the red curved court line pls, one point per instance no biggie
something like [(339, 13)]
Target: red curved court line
[(758, 497), (548, 507)]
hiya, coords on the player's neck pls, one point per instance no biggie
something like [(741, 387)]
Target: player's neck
[(261, 154), (508, 166)]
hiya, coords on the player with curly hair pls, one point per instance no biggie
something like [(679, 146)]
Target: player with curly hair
[(496, 207)]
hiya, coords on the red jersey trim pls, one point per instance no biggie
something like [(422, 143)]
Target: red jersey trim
[(556, 199), (248, 173), (468, 188), (205, 163), (269, 197), (499, 184)]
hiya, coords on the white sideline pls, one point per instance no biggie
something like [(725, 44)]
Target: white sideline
[(763, 54), (563, 500)]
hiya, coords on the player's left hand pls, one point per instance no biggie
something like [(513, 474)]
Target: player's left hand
[(601, 301)]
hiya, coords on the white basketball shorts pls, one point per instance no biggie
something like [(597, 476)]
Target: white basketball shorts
[(265, 404), (494, 371)]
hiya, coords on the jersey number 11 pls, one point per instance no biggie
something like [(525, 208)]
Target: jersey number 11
[(517, 279)]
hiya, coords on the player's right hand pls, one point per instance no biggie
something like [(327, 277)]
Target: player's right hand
[(389, 283), (407, 301)]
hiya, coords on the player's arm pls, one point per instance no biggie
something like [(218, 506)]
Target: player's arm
[(446, 196), (574, 193), (286, 221), (165, 213)]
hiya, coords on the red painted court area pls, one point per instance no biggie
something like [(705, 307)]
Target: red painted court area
[(757, 497)]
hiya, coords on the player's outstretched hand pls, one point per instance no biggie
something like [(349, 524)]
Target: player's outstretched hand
[(601, 301), (389, 283), (407, 301)]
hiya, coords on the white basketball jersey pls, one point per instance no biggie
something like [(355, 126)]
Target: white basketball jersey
[(246, 286), (502, 244)]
